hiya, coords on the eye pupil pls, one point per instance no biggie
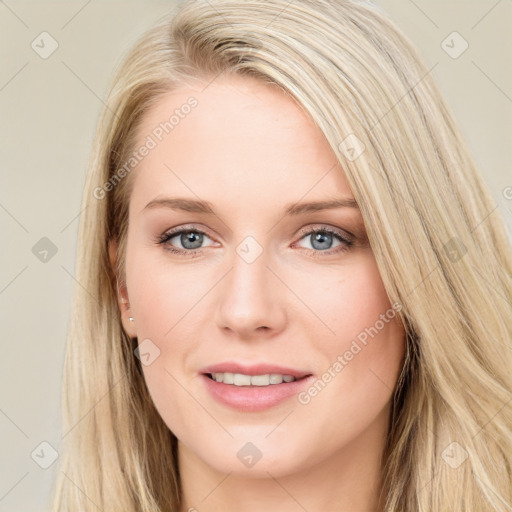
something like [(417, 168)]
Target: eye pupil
[(321, 241)]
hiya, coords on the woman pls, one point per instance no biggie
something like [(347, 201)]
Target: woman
[(294, 293)]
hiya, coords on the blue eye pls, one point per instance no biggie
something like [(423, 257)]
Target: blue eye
[(190, 239), (321, 240)]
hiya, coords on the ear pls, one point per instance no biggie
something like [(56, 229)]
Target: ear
[(122, 293)]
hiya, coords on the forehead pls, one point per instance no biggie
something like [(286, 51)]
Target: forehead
[(243, 140)]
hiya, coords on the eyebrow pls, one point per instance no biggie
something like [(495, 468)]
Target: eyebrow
[(200, 206)]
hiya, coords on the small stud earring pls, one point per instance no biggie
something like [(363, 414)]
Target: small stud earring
[(131, 319)]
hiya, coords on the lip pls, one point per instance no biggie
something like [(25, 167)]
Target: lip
[(254, 398)]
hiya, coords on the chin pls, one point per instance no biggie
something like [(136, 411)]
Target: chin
[(245, 458)]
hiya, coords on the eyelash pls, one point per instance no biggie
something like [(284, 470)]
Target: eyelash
[(347, 244)]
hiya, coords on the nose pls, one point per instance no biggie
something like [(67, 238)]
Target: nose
[(251, 301)]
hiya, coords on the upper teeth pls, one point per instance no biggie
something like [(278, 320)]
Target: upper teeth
[(239, 379)]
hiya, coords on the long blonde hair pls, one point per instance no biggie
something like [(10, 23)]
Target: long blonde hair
[(439, 243)]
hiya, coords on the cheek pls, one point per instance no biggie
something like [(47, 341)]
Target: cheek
[(166, 303), (347, 300), (362, 355), (163, 297)]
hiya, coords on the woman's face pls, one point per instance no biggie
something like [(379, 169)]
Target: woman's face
[(263, 282)]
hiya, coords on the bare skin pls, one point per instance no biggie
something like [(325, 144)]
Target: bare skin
[(250, 152)]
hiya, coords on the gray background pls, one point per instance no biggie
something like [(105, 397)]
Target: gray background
[(49, 108)]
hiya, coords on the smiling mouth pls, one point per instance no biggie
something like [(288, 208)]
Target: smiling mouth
[(240, 379)]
